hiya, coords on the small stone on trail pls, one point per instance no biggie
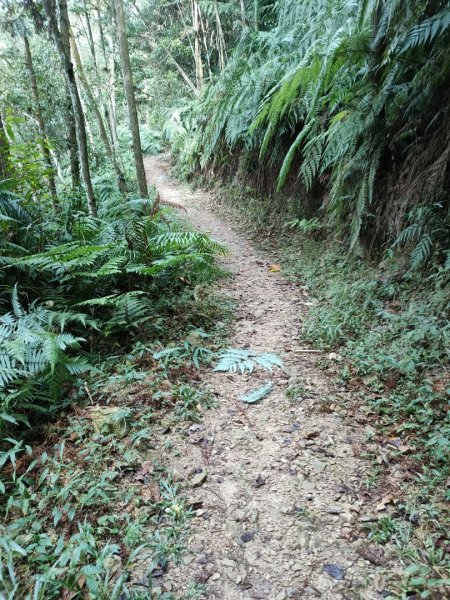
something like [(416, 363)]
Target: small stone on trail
[(319, 465), (227, 562), (194, 428), (247, 536), (259, 481), (334, 571), (291, 428), (199, 479)]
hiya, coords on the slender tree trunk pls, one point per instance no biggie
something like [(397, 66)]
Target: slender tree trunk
[(4, 152), (112, 99), (57, 165), (102, 35), (256, 14), (197, 44), (110, 67), (131, 100), (110, 151), (109, 107), (72, 143), (40, 120), (89, 35), (61, 38), (221, 39), (205, 41)]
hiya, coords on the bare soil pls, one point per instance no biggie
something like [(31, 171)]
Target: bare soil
[(280, 511)]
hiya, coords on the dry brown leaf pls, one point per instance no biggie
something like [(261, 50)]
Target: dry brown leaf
[(146, 469), (151, 493), (275, 268), (384, 502)]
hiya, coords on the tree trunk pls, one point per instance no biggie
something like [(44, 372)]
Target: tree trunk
[(205, 41), (4, 152), (89, 35), (61, 38), (57, 165), (221, 39), (110, 151), (197, 44), (112, 98), (131, 100), (72, 143), (40, 120), (109, 107)]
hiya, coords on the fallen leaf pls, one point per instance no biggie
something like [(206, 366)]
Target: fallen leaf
[(384, 502), (396, 442), (370, 380), (275, 268), (146, 469), (203, 577), (374, 554), (379, 582), (151, 493), (194, 504)]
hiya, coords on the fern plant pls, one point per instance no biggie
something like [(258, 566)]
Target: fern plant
[(37, 359), (345, 96)]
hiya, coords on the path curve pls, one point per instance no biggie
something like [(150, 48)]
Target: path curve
[(285, 486)]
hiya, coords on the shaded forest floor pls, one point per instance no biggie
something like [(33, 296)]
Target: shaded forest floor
[(282, 495)]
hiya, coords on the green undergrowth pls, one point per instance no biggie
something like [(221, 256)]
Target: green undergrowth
[(104, 324), (392, 331), (90, 506)]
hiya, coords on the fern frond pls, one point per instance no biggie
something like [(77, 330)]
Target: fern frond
[(428, 30), (234, 359), (254, 396)]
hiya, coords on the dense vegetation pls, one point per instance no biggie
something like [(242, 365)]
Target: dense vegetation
[(327, 120), (346, 102)]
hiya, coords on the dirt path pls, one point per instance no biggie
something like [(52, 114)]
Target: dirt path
[(284, 486)]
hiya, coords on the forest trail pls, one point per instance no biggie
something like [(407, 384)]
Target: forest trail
[(285, 488)]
